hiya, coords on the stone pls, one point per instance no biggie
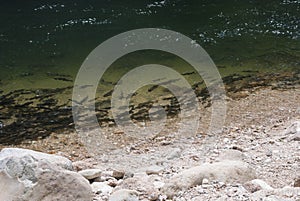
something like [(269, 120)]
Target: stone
[(118, 174), (101, 188), (205, 181), (231, 154), (158, 184), (124, 195), (288, 191), (58, 184), (294, 128), (60, 161), (141, 183), (269, 153), (256, 185), (294, 131), (175, 153), (297, 182), (283, 194), (102, 178), (84, 164), (154, 170), (128, 175), (90, 173), (165, 142), (41, 177), (224, 171), (113, 182)]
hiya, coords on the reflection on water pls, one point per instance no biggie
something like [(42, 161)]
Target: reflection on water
[(43, 44)]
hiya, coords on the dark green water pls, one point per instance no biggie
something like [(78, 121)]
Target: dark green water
[(41, 39)]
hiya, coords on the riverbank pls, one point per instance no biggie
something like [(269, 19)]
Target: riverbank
[(261, 131)]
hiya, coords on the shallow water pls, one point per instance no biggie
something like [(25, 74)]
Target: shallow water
[(43, 43)]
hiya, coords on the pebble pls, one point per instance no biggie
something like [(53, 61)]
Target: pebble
[(124, 195), (101, 187), (205, 181), (158, 184), (269, 153), (118, 174), (154, 170), (297, 183), (165, 143), (90, 173), (256, 185), (175, 153)]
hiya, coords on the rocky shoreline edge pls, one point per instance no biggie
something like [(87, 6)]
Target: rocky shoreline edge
[(229, 173), (31, 175)]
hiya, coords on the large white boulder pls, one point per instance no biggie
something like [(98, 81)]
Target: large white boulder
[(30, 175), (8, 153)]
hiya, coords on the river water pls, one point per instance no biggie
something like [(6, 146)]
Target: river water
[(43, 43)]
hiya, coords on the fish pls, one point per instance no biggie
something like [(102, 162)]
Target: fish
[(188, 73), (63, 79), (51, 74)]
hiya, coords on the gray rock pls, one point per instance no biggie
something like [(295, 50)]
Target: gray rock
[(88, 163), (154, 170), (283, 194), (60, 161), (294, 131), (102, 178), (175, 153), (158, 184), (225, 171), (288, 191), (58, 184), (128, 175), (124, 195), (41, 177), (294, 128), (205, 181), (231, 154), (90, 173), (101, 187), (256, 185), (297, 182), (143, 184), (118, 174)]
